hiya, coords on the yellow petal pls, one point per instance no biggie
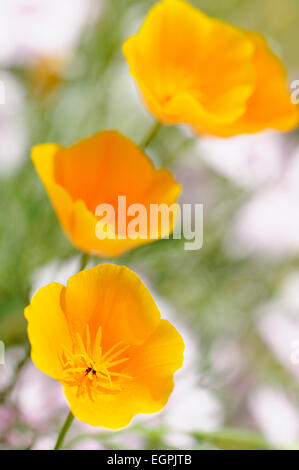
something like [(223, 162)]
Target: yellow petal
[(151, 368), (180, 59), (105, 319), (114, 298), (47, 329), (220, 79), (154, 363)]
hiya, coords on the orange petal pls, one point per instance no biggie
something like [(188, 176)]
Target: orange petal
[(96, 171), (270, 105), (43, 157)]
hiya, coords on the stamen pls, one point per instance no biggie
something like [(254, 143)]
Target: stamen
[(118, 374), (87, 340), (80, 344), (120, 361), (97, 343), (107, 353), (88, 369), (116, 354)]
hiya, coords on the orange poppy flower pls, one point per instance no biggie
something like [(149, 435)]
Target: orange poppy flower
[(102, 337), (201, 71), (96, 171)]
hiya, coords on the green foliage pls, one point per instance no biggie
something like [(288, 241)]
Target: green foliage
[(234, 439)]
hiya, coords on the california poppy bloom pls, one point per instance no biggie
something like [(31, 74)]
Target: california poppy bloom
[(102, 337), (201, 71), (98, 171)]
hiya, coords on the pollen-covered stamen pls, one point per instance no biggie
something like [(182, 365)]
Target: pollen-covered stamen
[(89, 369)]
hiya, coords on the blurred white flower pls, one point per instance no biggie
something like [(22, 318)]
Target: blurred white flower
[(276, 416), (248, 160), (192, 408), (32, 29), (228, 361), (39, 398), (44, 443), (13, 130), (269, 223), (281, 334), (88, 444), (7, 418), (129, 439), (279, 327)]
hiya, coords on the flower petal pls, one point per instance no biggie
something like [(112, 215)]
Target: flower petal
[(43, 157), (155, 362), (101, 167), (96, 171), (176, 58), (152, 370), (114, 298), (220, 79), (270, 105), (47, 329)]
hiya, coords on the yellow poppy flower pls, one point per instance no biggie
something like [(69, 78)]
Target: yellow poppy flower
[(102, 337), (98, 170), (220, 79)]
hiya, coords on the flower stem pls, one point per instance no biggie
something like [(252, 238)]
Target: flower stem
[(64, 430), (84, 261), (150, 135)]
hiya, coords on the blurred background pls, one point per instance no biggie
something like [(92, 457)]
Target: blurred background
[(236, 301)]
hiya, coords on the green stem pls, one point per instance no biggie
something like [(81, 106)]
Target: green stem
[(234, 439), (150, 135), (64, 430), (84, 261)]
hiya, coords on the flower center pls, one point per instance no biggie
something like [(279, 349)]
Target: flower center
[(89, 369)]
